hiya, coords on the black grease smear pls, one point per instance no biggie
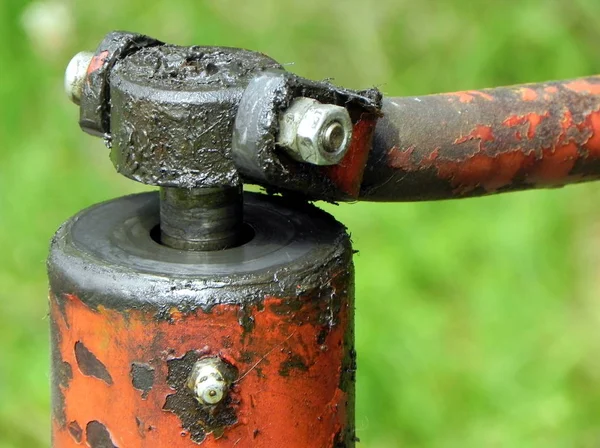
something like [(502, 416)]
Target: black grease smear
[(90, 365), (255, 153)]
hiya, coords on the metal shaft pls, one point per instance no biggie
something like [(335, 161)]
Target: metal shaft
[(202, 219), (485, 141)]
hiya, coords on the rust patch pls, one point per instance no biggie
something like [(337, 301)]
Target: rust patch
[(90, 365)]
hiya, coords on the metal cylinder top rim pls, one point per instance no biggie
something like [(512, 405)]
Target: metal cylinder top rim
[(128, 222)]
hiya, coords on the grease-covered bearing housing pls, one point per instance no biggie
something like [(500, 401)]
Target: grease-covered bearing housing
[(172, 113), (130, 317)]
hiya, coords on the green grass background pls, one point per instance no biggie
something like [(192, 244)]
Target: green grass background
[(478, 321)]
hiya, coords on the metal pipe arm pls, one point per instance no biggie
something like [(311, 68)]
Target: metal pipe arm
[(480, 142)]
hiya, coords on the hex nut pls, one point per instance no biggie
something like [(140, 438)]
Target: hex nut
[(75, 75), (315, 133)]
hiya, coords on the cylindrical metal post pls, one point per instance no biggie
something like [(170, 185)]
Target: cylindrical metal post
[(250, 346), (201, 218)]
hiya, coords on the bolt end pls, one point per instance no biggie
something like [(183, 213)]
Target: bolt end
[(315, 133), (76, 74)]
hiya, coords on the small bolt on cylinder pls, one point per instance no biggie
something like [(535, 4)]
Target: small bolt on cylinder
[(208, 381)]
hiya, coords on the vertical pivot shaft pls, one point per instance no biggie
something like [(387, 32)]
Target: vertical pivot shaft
[(201, 219)]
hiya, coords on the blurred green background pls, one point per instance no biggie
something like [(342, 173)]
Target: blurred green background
[(478, 321)]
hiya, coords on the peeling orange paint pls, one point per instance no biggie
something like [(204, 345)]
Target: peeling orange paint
[(528, 94), (554, 165), (592, 145), (584, 86), (532, 120), (485, 171), (482, 133), (468, 96), (299, 409)]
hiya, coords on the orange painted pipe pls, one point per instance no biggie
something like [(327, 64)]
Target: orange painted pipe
[(481, 142)]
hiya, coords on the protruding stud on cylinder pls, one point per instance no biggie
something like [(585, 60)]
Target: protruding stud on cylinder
[(208, 382), (75, 75)]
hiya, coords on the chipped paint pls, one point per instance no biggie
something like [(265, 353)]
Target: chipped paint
[(263, 398), (347, 175), (481, 133), (75, 431), (97, 62), (583, 86), (468, 96), (142, 377), (528, 94), (531, 120), (98, 436), (90, 365)]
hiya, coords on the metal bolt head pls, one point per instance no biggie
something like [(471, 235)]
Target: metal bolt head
[(315, 133), (76, 74), (207, 382)]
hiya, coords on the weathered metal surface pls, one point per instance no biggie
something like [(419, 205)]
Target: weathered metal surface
[(94, 113), (485, 141), (172, 112), (260, 161), (131, 318)]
